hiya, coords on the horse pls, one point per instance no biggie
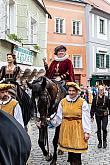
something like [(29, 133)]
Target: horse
[(48, 95)]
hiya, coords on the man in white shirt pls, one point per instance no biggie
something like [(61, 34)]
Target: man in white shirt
[(9, 105)]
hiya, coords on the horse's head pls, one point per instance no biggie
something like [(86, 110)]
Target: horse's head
[(40, 92), (37, 86)]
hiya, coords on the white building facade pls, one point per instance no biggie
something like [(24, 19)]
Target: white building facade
[(98, 45)]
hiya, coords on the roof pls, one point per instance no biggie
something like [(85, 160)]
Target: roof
[(77, 1), (43, 8), (102, 5), (81, 1)]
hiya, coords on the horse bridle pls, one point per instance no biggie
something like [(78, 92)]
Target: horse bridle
[(45, 96)]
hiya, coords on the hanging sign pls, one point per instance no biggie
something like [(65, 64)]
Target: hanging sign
[(23, 56)]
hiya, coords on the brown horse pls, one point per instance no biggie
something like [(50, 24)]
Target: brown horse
[(48, 94)]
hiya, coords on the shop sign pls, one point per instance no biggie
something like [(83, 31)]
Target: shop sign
[(23, 56), (103, 77)]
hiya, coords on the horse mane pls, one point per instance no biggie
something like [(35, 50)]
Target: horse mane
[(53, 90)]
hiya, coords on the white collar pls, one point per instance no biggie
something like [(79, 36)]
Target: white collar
[(71, 100), (5, 102), (62, 58)]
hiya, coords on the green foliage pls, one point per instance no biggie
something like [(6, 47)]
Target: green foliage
[(14, 37), (37, 47)]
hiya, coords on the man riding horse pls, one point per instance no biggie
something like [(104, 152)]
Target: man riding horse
[(47, 92), (61, 69)]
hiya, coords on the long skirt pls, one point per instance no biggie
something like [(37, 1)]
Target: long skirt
[(71, 137)]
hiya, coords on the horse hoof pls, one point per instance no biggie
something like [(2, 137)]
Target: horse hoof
[(60, 152), (53, 162), (48, 157)]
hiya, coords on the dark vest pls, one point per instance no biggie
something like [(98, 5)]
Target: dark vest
[(101, 106)]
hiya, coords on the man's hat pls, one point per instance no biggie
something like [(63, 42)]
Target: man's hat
[(59, 48), (73, 84), (6, 86)]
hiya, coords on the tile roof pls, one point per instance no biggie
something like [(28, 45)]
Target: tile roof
[(100, 4), (43, 8)]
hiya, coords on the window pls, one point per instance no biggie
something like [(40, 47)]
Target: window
[(101, 26), (59, 25), (77, 61), (77, 27), (102, 60), (11, 17), (33, 30)]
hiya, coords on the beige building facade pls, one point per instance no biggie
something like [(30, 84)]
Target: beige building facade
[(23, 31)]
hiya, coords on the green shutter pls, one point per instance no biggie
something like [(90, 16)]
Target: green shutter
[(107, 61), (97, 60)]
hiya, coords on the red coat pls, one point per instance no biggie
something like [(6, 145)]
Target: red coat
[(64, 69)]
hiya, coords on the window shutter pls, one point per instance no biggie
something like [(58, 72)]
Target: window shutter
[(56, 25), (80, 27), (3, 18), (64, 27), (97, 60), (81, 65), (22, 21), (107, 61)]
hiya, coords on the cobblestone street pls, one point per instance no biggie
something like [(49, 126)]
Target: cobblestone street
[(94, 156)]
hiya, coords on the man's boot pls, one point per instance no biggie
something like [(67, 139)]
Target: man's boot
[(100, 144)]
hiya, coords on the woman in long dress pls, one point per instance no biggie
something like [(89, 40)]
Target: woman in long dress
[(74, 116)]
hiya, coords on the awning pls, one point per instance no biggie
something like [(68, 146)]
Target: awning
[(12, 41)]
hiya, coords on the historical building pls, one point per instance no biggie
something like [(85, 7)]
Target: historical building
[(98, 42), (67, 27), (23, 31)]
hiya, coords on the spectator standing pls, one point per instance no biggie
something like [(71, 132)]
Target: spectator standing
[(100, 109)]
